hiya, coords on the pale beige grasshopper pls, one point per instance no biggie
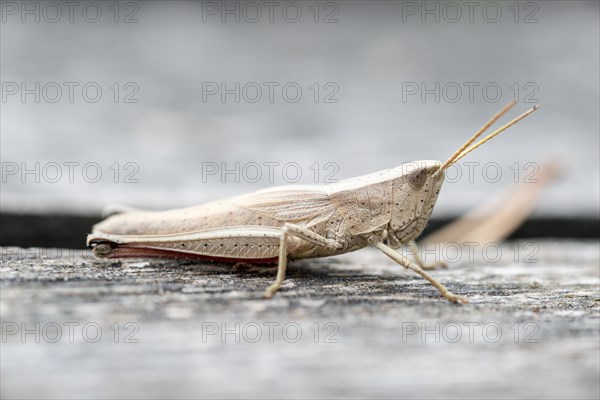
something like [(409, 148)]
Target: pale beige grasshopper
[(385, 210)]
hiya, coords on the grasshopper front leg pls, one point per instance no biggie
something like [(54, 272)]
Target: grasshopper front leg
[(288, 230), (406, 263), (414, 249)]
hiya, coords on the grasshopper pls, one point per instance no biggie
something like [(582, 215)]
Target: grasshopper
[(386, 210)]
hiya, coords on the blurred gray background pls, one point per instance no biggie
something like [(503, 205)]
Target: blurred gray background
[(366, 55)]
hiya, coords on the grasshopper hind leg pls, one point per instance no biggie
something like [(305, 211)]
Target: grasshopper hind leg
[(288, 231)]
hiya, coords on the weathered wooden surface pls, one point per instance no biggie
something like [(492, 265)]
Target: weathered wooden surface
[(377, 312)]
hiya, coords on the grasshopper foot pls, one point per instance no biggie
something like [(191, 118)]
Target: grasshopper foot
[(271, 290), (454, 298)]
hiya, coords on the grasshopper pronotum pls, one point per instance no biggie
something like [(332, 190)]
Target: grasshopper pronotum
[(385, 210)]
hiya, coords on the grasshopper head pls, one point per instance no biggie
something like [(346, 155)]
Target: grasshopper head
[(425, 181), (414, 197), (416, 193)]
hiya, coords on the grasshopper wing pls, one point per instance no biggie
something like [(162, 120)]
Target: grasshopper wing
[(303, 204)]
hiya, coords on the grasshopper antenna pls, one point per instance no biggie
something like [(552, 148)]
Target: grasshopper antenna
[(496, 132), (485, 127)]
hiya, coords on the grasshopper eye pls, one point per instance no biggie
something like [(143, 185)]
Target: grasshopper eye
[(417, 179)]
